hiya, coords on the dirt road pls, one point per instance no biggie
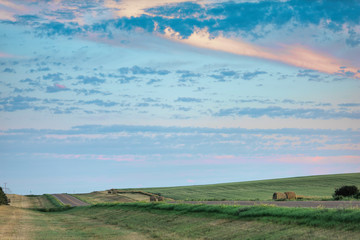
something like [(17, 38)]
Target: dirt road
[(69, 200), (313, 204)]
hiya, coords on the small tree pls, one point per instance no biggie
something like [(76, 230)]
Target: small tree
[(3, 198), (346, 191)]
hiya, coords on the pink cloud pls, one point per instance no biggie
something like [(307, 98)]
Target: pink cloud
[(299, 159), (5, 55), (8, 10), (56, 88), (225, 157), (295, 55), (12, 5), (195, 159), (59, 86), (131, 8)]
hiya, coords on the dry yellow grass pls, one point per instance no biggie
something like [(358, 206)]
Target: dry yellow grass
[(15, 223), (29, 201), (136, 196), (104, 196), (21, 201)]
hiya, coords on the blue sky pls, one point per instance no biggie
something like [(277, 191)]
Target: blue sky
[(115, 94)]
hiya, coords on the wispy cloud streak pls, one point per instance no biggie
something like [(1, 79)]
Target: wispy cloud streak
[(295, 55)]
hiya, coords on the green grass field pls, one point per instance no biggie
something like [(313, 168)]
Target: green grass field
[(315, 187), (174, 221), (29, 217), (178, 221)]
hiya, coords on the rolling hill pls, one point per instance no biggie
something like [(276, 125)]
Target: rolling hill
[(315, 187)]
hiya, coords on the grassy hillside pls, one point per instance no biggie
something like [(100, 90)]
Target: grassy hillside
[(179, 221), (320, 187), (176, 221), (182, 221)]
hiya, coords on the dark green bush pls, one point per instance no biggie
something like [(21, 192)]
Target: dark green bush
[(3, 198), (346, 191), (357, 196)]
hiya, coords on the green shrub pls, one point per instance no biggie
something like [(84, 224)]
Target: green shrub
[(54, 201), (345, 191), (357, 196), (3, 198)]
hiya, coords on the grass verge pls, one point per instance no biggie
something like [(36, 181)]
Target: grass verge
[(58, 205)]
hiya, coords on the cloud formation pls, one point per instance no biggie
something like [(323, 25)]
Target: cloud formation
[(56, 88), (90, 80), (142, 70), (209, 88), (279, 112), (295, 55), (207, 24)]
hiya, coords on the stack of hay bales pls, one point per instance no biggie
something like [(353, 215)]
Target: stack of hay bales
[(112, 191), (279, 196), (284, 196), (153, 198), (160, 198)]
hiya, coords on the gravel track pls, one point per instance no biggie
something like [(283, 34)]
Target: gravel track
[(69, 200)]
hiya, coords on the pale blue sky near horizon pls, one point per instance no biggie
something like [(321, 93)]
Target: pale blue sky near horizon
[(121, 94)]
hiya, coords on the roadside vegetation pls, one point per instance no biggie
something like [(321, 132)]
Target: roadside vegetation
[(54, 201), (308, 188), (3, 198)]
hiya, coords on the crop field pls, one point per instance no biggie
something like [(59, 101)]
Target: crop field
[(41, 217), (311, 187)]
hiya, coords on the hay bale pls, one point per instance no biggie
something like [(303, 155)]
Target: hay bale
[(290, 195), (112, 191), (160, 198), (279, 196), (153, 198)]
